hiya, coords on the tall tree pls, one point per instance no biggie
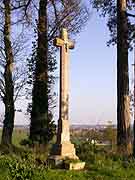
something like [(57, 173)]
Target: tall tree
[(39, 113), (9, 86), (12, 79), (121, 31), (123, 111), (52, 16)]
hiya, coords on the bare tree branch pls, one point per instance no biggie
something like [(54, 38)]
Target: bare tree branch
[(131, 15), (19, 88)]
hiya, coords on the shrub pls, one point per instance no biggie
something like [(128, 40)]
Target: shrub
[(20, 169), (86, 152), (25, 142)]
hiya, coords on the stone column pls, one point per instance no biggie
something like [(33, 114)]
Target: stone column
[(63, 146)]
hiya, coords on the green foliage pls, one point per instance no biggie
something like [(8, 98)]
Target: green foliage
[(109, 9), (104, 167), (18, 135), (21, 170), (41, 131), (85, 151), (101, 164), (25, 142)]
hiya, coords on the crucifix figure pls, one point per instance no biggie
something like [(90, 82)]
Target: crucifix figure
[(63, 145)]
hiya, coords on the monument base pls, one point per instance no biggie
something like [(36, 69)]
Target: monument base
[(65, 150), (61, 153), (60, 162), (55, 161), (75, 165)]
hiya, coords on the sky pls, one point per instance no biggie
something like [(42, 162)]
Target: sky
[(93, 68), (92, 77)]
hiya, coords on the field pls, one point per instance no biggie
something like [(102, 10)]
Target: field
[(101, 163)]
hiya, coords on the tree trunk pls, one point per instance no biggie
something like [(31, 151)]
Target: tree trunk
[(134, 107), (123, 112), (39, 114), (9, 87)]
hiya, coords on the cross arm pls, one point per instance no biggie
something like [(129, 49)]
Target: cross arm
[(58, 42), (71, 45)]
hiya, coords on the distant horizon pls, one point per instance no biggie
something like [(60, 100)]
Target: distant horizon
[(23, 125)]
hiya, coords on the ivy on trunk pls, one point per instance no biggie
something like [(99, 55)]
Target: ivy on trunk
[(39, 113)]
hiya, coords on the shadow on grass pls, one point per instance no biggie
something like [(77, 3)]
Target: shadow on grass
[(12, 149)]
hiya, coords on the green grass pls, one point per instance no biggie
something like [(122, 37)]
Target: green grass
[(92, 174), (18, 135), (100, 164)]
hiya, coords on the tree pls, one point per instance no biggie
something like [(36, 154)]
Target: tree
[(123, 111), (12, 79), (9, 87), (121, 31), (39, 113), (52, 16)]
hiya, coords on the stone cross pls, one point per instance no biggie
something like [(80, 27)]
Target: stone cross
[(63, 146), (64, 45)]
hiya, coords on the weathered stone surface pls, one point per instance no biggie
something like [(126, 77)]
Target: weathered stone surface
[(59, 162), (64, 149), (63, 132), (55, 161), (75, 165)]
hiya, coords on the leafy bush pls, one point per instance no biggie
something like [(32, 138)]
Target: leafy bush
[(21, 170), (86, 152), (25, 142)]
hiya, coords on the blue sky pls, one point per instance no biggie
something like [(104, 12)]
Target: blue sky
[(92, 77)]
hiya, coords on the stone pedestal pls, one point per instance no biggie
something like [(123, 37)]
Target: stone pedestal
[(63, 146), (58, 162), (65, 151), (75, 165)]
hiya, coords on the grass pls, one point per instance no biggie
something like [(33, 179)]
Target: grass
[(100, 164), (18, 135), (104, 173)]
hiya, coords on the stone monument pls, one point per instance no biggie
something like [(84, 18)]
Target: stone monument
[(63, 147)]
